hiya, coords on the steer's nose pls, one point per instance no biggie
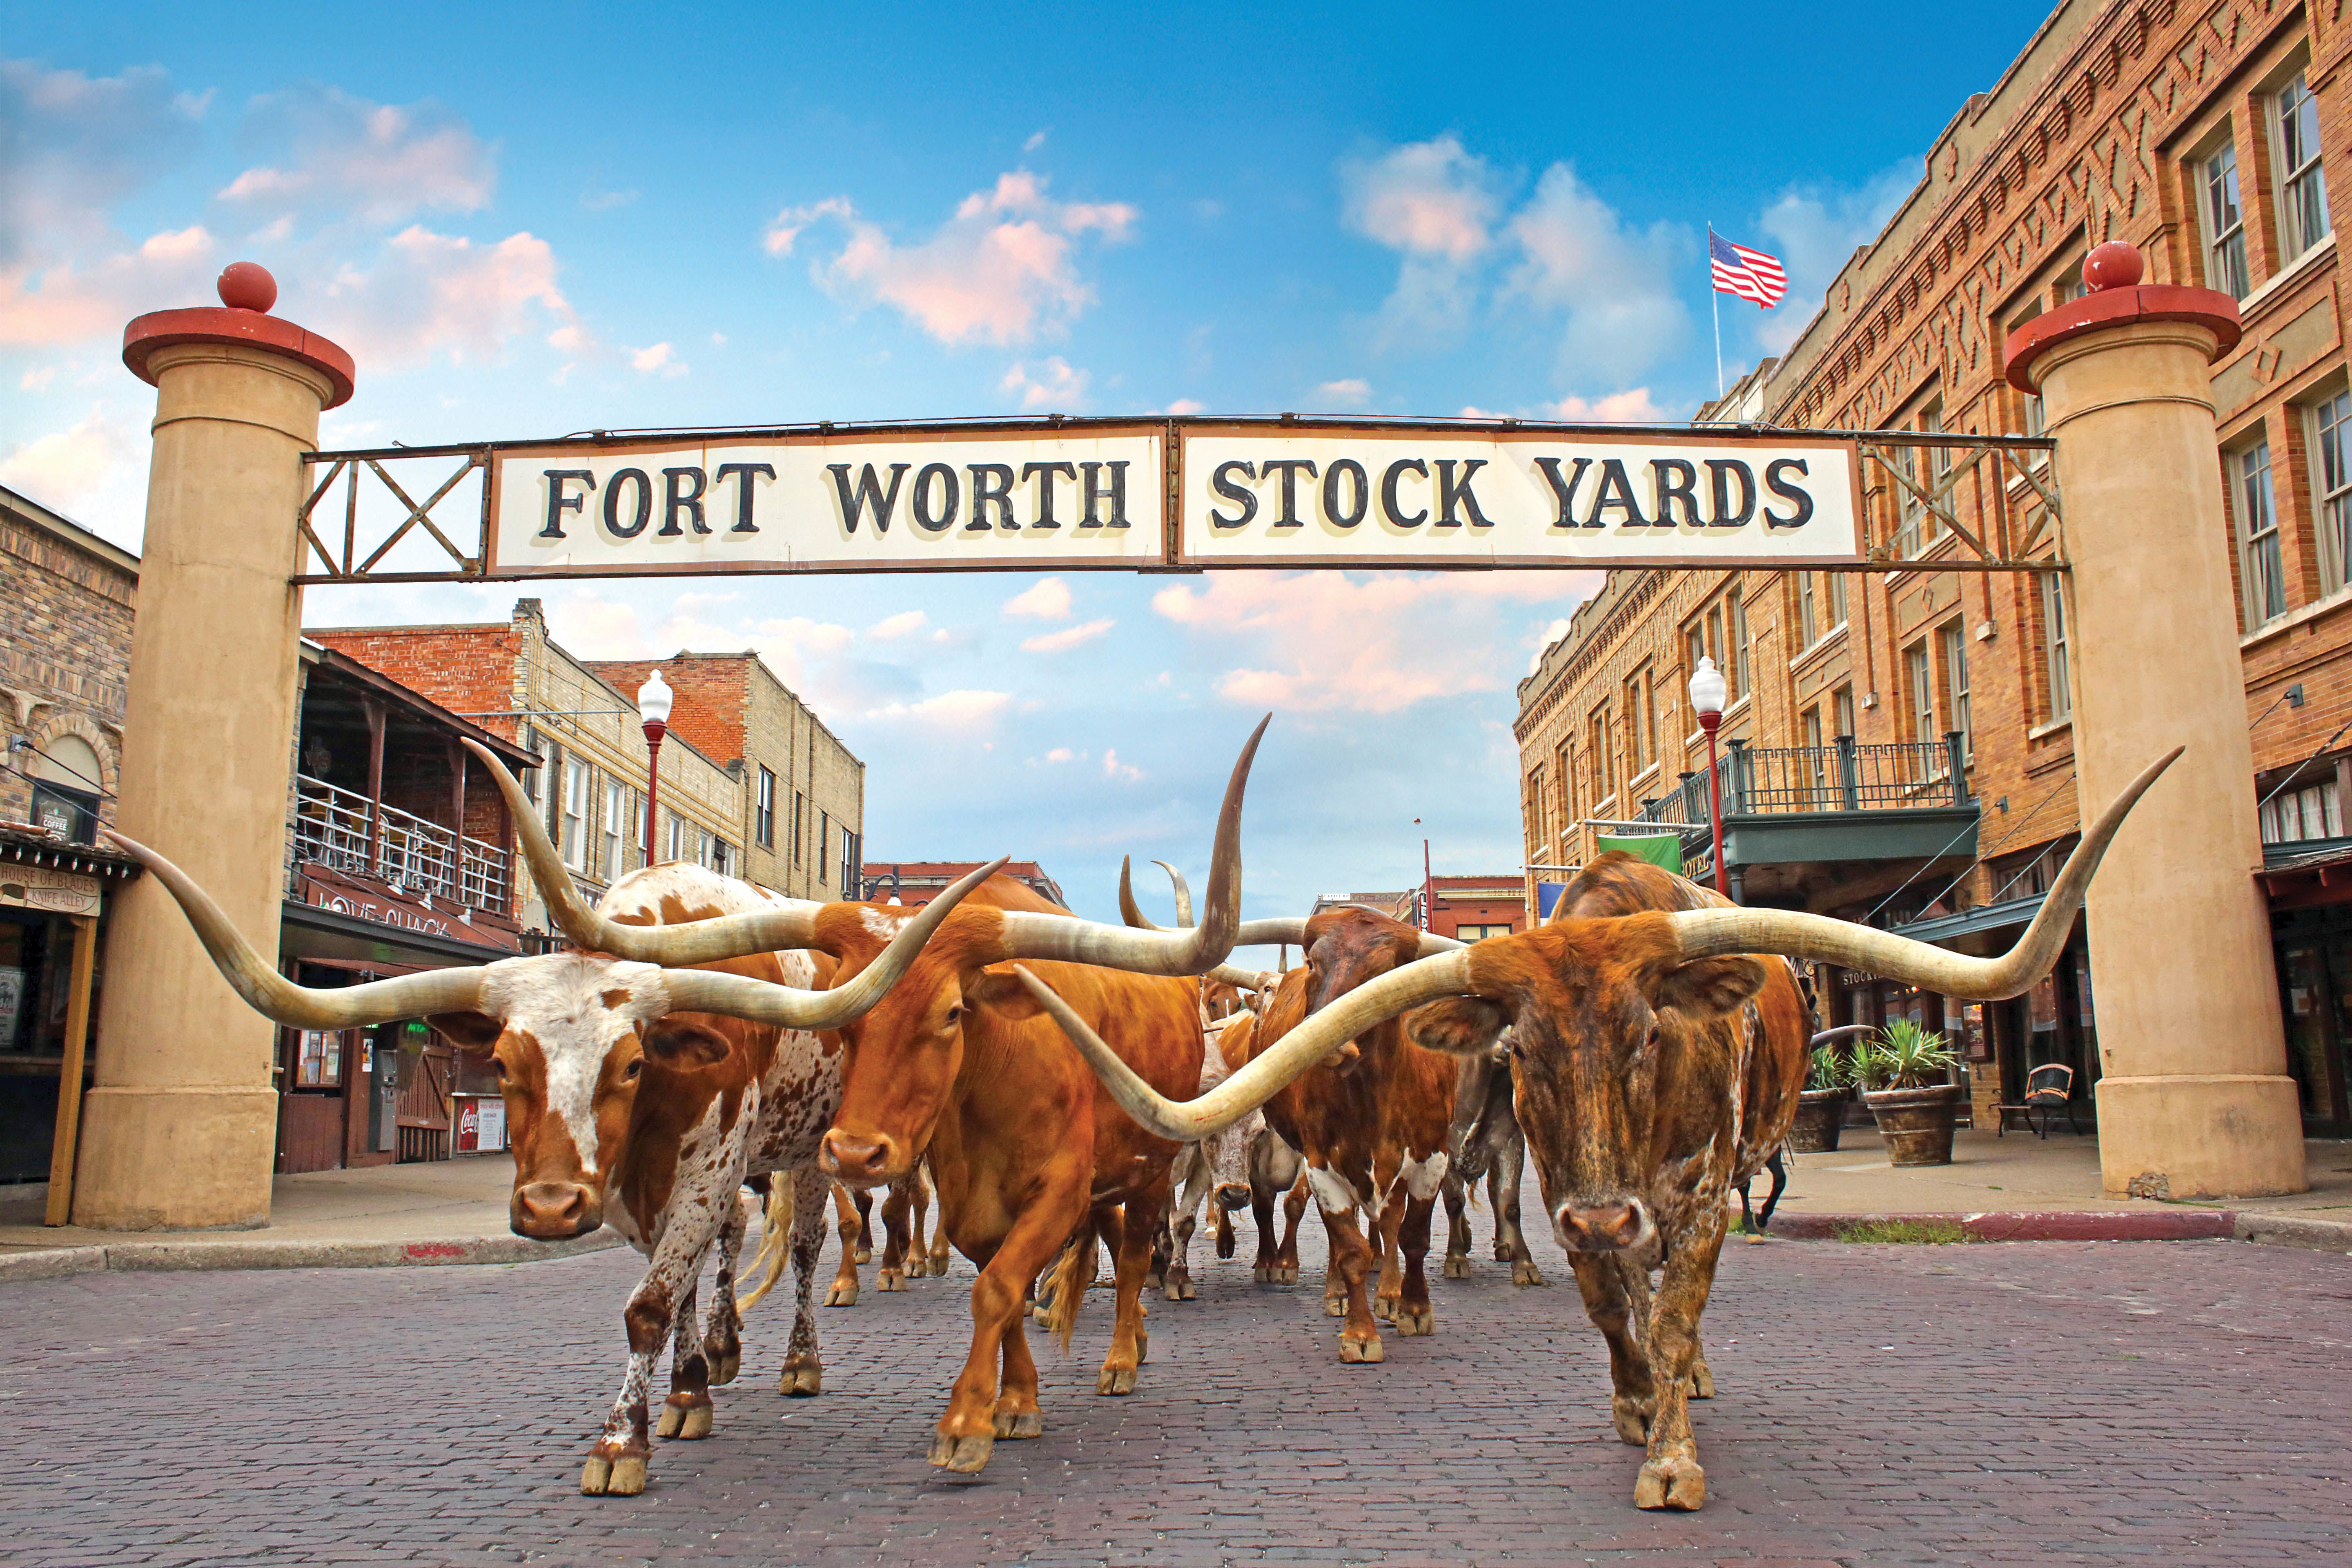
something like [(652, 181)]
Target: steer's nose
[(1233, 1195), (554, 1211), (859, 1159), (1602, 1227)]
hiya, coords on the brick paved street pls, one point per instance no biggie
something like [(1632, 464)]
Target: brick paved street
[(2181, 1403)]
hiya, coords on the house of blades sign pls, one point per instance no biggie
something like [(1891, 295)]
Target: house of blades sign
[(1169, 493)]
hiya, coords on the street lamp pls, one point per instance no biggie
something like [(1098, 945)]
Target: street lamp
[(1707, 694), (654, 699), (1428, 887)]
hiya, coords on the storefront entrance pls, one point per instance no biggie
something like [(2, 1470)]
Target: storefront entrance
[(2315, 959)]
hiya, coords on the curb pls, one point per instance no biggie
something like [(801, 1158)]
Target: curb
[(2288, 1230), (150, 1256), (2191, 1224)]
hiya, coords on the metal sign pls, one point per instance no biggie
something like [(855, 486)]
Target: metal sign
[(1168, 494)]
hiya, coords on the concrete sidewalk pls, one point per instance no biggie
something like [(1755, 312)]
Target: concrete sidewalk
[(449, 1211)]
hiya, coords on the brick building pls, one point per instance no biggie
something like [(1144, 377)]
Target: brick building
[(515, 679), (1899, 743), (64, 658), (804, 820), (1467, 908), (914, 883)]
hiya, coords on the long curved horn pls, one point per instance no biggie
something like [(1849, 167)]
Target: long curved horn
[(1265, 1075), (1291, 932), (1069, 940), (273, 995), (1132, 913), (1184, 892), (1703, 933), (1842, 1031), (789, 923)]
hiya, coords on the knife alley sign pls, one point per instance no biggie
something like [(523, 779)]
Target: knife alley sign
[(1170, 493)]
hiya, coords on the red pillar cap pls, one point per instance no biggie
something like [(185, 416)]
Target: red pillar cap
[(247, 291), (2117, 297)]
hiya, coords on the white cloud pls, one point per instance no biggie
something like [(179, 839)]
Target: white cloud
[(956, 710), (1814, 230), (437, 296), (1114, 769), (658, 360), (37, 380), (1048, 599), (1066, 638), (1632, 407), (1001, 270), (606, 201), (1035, 141), (1613, 285), (906, 623), (63, 304), (378, 161), (1553, 631), (66, 468), (1059, 754), (73, 145), (1061, 388), (1426, 198), (1377, 642), (1352, 392), (1186, 405)]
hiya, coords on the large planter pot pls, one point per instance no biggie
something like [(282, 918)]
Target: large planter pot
[(1821, 1117), (1917, 1122)]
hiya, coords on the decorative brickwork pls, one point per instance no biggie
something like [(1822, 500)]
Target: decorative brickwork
[(65, 650)]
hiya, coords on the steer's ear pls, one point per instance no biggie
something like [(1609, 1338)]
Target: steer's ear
[(1707, 986), (475, 1032), (1001, 992), (682, 1044), (1458, 1025)]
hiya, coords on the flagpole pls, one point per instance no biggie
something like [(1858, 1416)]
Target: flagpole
[(1715, 295)]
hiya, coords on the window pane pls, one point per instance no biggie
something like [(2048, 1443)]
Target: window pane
[(2302, 218), (2332, 420), (2264, 572), (2225, 234)]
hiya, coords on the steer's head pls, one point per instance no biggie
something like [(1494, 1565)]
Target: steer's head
[(1596, 1010), (574, 1037)]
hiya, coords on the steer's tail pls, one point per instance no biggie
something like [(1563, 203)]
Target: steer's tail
[(1072, 1278), (775, 1241)]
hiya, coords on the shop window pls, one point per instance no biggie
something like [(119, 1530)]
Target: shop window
[(2332, 440), (2259, 568), (2054, 639), (2224, 221), (319, 1063), (2303, 188), (2312, 811)]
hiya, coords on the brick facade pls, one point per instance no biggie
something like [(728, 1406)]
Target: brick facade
[(65, 655), (2106, 127)]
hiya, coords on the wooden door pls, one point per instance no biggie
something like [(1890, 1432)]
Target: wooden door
[(424, 1105)]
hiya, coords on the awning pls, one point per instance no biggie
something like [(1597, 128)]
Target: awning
[(1983, 918), (311, 933)]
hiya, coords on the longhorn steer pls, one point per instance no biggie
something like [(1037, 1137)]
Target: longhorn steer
[(1487, 1145), (636, 1095), (1640, 1089)]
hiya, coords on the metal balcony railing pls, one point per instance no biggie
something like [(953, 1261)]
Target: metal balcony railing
[(1847, 776), (330, 827)]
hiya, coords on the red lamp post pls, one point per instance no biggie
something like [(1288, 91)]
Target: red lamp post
[(1707, 690), (654, 699)]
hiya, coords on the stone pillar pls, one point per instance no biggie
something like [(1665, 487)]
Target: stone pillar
[(179, 1129), (2194, 1098)]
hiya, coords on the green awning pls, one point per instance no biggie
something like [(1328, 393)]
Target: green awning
[(1658, 848)]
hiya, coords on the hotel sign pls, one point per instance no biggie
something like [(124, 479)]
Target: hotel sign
[(1171, 494)]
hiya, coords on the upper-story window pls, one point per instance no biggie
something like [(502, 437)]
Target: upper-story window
[(2054, 639), (575, 814), (2303, 188), (764, 821), (1923, 695), (2225, 222), (1956, 684), (1926, 467), (1739, 643), (2331, 422), (616, 817), (2261, 569), (1809, 621)]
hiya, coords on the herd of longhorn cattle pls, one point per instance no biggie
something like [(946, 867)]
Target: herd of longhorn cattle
[(1057, 1083)]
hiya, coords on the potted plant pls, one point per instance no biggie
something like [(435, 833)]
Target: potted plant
[(1906, 1082), (1829, 1087)]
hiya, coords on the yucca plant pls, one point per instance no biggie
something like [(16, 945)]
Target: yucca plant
[(1905, 1056), (1829, 1067)]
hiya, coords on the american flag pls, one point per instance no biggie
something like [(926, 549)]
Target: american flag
[(1750, 274)]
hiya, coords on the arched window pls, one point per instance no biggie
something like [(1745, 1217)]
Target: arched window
[(66, 789)]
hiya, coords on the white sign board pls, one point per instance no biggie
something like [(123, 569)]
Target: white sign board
[(1096, 494), (1255, 497), (1030, 500)]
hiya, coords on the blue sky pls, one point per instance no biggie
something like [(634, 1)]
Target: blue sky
[(532, 220)]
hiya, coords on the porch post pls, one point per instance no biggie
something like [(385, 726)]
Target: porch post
[(179, 1129), (2194, 1097)]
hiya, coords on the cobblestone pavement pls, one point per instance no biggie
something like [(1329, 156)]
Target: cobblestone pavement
[(2168, 1403)]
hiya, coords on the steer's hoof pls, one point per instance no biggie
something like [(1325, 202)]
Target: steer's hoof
[(892, 1280), (1354, 1351), (1701, 1382), (1384, 1308), (1677, 1484), (1413, 1322), (1177, 1289), (1285, 1273), (939, 1261), (1335, 1306), (843, 1294), (864, 1254), (1633, 1421), (1456, 1265), (1526, 1273), (1263, 1273), (724, 1363), (965, 1455), (685, 1417), (613, 1475), (1019, 1425), (804, 1377), (1156, 1281), (1115, 1380)]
